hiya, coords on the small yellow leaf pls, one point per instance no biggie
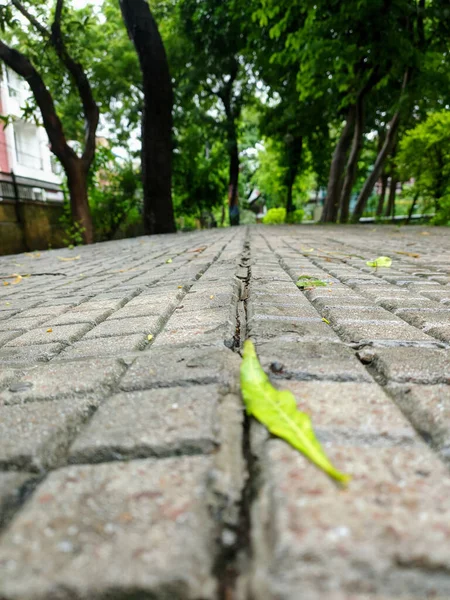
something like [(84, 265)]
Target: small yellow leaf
[(8, 303), (49, 330), (180, 287), (18, 278), (149, 337), (325, 320), (64, 258), (381, 261), (211, 297), (169, 260), (425, 232), (6, 283)]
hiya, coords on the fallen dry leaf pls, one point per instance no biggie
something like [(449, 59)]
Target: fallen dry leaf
[(49, 330), (6, 283), (65, 258), (149, 337), (211, 297), (17, 278), (325, 320), (411, 254)]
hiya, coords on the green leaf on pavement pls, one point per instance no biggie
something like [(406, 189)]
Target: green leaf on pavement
[(306, 281), (381, 261), (277, 410)]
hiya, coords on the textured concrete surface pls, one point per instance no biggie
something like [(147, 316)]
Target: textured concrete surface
[(128, 468)]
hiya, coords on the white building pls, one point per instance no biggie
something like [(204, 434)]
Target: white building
[(24, 147)]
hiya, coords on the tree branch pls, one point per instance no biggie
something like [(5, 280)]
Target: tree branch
[(90, 108), (20, 64), (32, 19)]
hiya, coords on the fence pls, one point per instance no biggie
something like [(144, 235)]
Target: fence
[(30, 211)]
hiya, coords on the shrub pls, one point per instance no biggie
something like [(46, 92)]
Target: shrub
[(276, 216)]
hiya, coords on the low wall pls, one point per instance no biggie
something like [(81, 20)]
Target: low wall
[(38, 228)]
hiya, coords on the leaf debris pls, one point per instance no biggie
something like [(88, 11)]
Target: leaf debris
[(277, 410)]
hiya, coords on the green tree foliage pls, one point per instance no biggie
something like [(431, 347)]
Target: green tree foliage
[(425, 156)]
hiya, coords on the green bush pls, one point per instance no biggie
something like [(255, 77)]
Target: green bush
[(443, 215), (296, 216), (276, 216)]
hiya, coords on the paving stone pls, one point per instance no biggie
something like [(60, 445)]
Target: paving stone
[(114, 530), (441, 332), (376, 537), (26, 355), (113, 327), (68, 318), (60, 333), (256, 309), (352, 413), (158, 422), (36, 436), (311, 361), (105, 346), (360, 331), (179, 366), (428, 409), (426, 319), (16, 323), (302, 329), (346, 314), (143, 310), (203, 318), (59, 380), (412, 365), (5, 336), (13, 488), (208, 335)]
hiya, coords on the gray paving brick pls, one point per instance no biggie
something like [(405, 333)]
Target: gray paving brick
[(428, 409), (441, 332), (5, 336), (361, 331), (352, 413), (59, 333), (36, 436), (412, 365), (159, 422), (113, 327), (12, 489), (26, 355), (68, 318), (59, 380), (115, 529), (302, 329), (160, 367), (311, 361), (368, 539), (105, 346)]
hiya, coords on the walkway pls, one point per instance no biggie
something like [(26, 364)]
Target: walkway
[(127, 467)]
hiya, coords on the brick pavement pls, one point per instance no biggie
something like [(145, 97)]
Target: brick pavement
[(127, 467)]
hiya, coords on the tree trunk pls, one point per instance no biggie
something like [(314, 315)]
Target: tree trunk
[(381, 158), (412, 207), (156, 117), (294, 155), (352, 164), (233, 181), (335, 181), (364, 195), (390, 208), (78, 189), (384, 181)]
